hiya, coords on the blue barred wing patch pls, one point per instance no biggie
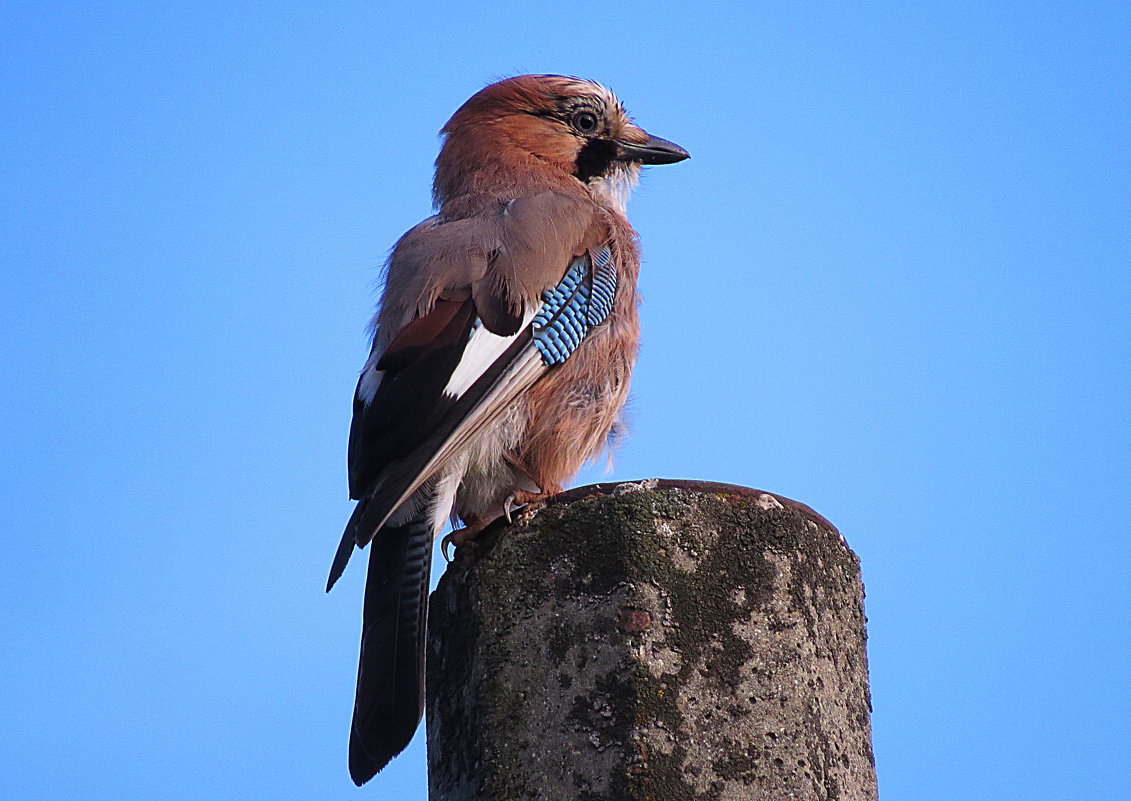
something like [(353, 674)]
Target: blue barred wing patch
[(579, 303)]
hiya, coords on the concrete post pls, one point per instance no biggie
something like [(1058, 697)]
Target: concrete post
[(667, 640)]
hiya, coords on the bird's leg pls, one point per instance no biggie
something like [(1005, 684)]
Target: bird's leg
[(522, 497)]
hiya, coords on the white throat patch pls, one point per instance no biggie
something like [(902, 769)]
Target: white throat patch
[(615, 189)]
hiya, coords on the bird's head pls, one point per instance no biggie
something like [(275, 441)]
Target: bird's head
[(546, 127)]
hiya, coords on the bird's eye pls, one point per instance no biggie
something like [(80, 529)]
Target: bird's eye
[(585, 121)]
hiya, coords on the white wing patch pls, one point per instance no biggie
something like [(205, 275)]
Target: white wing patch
[(483, 348)]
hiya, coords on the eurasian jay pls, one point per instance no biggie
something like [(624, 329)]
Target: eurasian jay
[(501, 357)]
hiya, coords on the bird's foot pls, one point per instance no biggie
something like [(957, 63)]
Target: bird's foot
[(460, 537), (533, 503)]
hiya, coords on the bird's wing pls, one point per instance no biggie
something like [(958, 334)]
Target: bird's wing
[(492, 303)]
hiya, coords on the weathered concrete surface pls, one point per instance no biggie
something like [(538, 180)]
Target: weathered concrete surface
[(682, 641)]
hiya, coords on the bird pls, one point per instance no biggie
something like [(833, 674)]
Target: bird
[(502, 349)]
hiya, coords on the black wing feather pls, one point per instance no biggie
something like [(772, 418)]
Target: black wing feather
[(416, 367)]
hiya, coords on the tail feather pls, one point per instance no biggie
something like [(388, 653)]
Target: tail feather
[(345, 546), (390, 677)]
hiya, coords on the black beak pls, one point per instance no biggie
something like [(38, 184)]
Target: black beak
[(653, 151)]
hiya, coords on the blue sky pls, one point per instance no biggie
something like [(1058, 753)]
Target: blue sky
[(892, 282)]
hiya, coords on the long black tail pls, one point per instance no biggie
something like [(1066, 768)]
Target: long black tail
[(390, 676)]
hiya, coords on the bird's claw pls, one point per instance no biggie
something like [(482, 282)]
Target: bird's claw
[(448, 540), (457, 539)]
